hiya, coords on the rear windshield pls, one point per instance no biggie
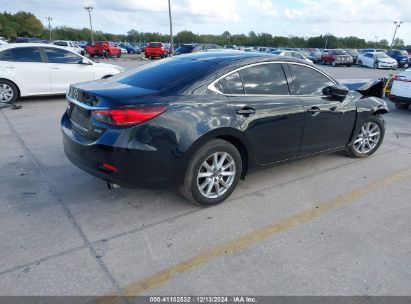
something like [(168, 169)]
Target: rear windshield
[(185, 49), (339, 52), (165, 74), (61, 43), (155, 44), (403, 52)]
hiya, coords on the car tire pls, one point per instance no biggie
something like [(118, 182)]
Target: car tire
[(360, 63), (323, 62), (333, 64), (402, 106), (375, 65), (8, 91), (349, 65), (371, 133), (205, 190)]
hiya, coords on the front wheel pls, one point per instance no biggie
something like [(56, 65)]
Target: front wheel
[(368, 139), (212, 174), (402, 106), (375, 66), (360, 63)]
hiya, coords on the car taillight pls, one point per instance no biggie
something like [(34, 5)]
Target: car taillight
[(127, 116)]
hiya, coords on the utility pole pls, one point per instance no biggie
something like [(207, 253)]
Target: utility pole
[(49, 20), (89, 9), (326, 39), (171, 27), (397, 25)]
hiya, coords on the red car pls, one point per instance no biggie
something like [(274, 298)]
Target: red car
[(103, 48), (155, 50), (337, 57)]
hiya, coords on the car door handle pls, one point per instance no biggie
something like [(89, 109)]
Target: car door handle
[(55, 68), (314, 111), (10, 67), (247, 111)]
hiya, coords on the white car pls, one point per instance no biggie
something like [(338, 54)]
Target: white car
[(401, 90), (377, 60), (28, 69), (293, 54), (123, 50), (70, 45)]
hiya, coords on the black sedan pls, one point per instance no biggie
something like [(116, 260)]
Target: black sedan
[(203, 121)]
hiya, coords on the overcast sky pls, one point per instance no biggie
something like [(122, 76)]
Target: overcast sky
[(362, 18)]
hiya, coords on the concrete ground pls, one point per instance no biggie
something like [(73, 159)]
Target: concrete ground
[(328, 225)]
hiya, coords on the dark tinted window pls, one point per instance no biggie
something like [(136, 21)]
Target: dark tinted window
[(61, 56), (155, 44), (61, 43), (184, 49), (231, 84), (309, 81), (167, 73), (26, 54), (265, 79), (6, 55), (369, 55)]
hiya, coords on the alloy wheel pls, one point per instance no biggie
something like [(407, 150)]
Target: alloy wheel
[(216, 174), (368, 138), (6, 93)]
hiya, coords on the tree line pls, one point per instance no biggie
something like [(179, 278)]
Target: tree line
[(25, 24)]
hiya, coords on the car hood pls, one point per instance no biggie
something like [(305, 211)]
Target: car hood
[(387, 60)]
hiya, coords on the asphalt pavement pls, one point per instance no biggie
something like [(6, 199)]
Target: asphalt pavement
[(327, 225)]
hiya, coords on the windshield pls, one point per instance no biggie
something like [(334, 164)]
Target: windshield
[(403, 52), (276, 52), (353, 52), (305, 54), (381, 55)]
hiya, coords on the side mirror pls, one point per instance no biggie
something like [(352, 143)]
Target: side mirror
[(85, 61), (336, 92)]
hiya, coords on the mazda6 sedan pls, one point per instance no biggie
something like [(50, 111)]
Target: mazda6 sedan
[(201, 122)]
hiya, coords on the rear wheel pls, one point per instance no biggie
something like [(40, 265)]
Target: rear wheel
[(323, 62), (360, 63), (333, 64), (368, 139), (212, 174), (402, 106), (8, 91), (375, 66)]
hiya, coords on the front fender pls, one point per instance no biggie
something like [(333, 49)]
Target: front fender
[(367, 106)]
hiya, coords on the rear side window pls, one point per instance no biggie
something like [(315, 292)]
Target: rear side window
[(231, 84), (26, 54), (266, 79), (309, 81), (61, 56)]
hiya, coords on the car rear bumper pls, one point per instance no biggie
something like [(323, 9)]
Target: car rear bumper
[(147, 168)]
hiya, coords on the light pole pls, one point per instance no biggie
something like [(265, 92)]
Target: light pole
[(171, 27), (326, 40), (89, 9), (397, 25), (49, 20)]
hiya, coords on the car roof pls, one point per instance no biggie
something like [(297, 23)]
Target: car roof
[(228, 56)]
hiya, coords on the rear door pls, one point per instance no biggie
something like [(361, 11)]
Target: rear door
[(328, 123), (271, 118), (66, 68), (26, 67)]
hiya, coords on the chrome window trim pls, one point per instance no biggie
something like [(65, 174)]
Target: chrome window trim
[(212, 87), (83, 105)]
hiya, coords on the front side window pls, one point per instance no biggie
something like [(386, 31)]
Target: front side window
[(231, 84), (26, 54), (265, 79), (61, 56), (309, 81)]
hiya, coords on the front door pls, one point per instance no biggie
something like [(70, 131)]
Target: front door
[(328, 123)]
